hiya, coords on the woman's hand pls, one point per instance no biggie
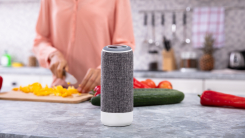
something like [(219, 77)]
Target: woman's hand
[(91, 79), (57, 64)]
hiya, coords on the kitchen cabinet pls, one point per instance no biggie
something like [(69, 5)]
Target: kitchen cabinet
[(10, 80), (13, 80), (184, 85), (199, 85), (226, 86), (46, 79)]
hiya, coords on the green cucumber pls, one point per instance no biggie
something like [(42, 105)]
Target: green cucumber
[(147, 97)]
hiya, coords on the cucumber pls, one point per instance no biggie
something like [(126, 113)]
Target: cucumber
[(147, 97)]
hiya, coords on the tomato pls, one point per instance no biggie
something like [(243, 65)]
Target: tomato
[(149, 83), (165, 85)]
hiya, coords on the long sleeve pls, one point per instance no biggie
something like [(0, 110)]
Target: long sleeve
[(42, 46), (123, 28)]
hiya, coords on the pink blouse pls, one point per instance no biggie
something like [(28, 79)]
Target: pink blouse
[(79, 29)]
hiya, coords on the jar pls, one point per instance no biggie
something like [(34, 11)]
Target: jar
[(154, 60), (188, 62)]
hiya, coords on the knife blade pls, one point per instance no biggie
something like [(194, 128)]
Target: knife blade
[(69, 78)]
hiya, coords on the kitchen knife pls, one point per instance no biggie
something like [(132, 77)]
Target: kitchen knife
[(69, 78)]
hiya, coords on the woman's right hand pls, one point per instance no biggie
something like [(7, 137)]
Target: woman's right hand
[(57, 64)]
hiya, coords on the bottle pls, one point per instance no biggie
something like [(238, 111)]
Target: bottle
[(6, 59)]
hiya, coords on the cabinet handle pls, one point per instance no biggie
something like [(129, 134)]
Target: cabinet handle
[(14, 83)]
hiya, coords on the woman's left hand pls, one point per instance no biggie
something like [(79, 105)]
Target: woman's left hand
[(91, 79)]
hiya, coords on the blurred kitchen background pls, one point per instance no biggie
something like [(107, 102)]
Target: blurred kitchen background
[(177, 20)]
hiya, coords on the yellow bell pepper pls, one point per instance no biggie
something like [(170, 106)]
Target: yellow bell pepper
[(37, 89)]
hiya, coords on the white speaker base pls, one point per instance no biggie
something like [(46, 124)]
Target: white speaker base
[(116, 119)]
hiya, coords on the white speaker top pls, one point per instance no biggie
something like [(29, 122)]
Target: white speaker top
[(117, 48)]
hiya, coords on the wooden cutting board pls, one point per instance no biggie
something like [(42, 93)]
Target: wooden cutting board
[(21, 96)]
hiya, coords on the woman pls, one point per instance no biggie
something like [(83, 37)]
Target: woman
[(72, 33)]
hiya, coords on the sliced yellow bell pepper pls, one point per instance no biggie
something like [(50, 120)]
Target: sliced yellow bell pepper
[(37, 89)]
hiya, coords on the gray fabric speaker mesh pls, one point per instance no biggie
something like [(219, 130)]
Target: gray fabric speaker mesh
[(117, 82)]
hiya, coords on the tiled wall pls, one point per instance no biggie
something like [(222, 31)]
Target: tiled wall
[(17, 27), (18, 18)]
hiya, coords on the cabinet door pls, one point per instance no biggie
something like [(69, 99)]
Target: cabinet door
[(46, 80), (184, 85), (225, 86), (12, 80)]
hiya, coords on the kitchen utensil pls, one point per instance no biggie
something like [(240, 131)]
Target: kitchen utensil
[(162, 23), (173, 35), (153, 48), (145, 41), (237, 60), (151, 41), (145, 45), (164, 39), (21, 96), (145, 24), (185, 39), (173, 23), (167, 44), (117, 85), (69, 78)]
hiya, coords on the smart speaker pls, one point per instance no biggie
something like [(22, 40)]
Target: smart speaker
[(117, 85)]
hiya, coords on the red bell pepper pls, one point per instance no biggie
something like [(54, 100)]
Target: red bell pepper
[(213, 98), (1, 82), (138, 84), (97, 90)]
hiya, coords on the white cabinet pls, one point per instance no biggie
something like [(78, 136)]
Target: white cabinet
[(13, 80), (46, 79), (225, 86), (184, 85), (198, 85)]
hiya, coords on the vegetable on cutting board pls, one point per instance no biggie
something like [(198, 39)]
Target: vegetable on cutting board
[(37, 89), (147, 97), (213, 98)]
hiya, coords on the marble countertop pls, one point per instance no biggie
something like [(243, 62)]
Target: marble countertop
[(186, 119), (221, 74)]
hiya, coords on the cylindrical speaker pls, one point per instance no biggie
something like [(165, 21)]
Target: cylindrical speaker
[(117, 85)]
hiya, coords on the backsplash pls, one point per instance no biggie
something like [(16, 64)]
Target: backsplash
[(18, 19)]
